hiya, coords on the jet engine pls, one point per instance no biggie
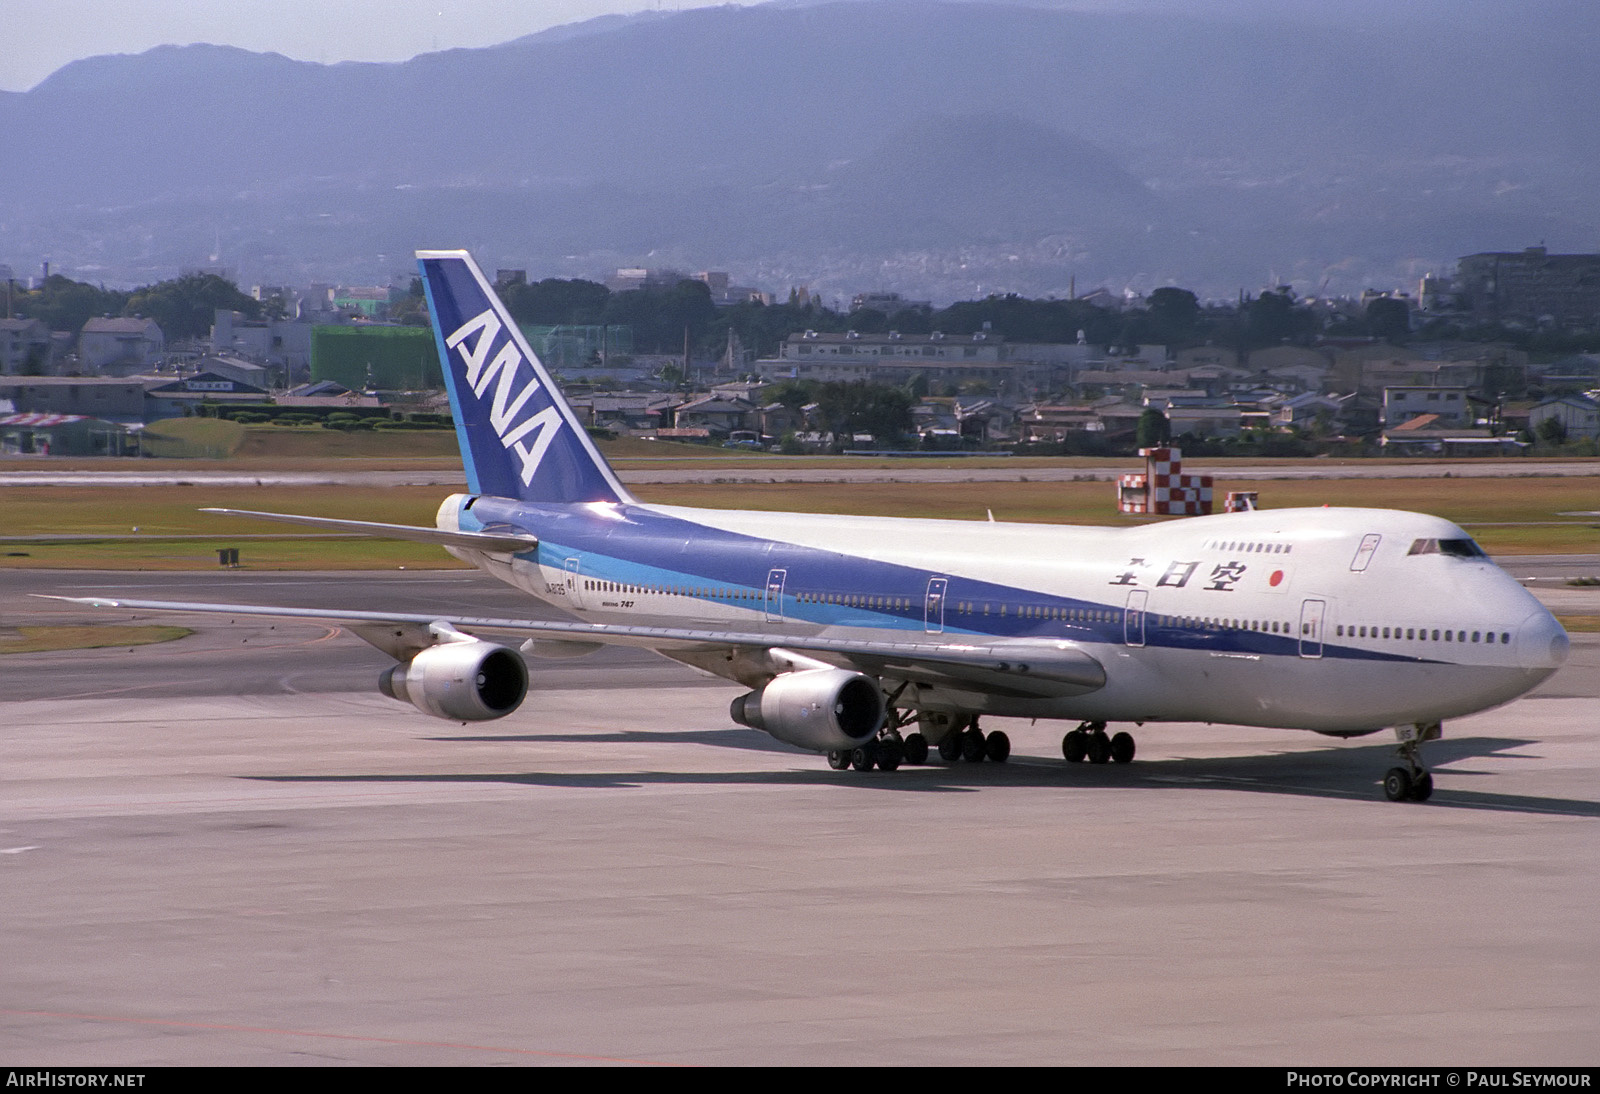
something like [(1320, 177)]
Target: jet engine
[(820, 709), (471, 681)]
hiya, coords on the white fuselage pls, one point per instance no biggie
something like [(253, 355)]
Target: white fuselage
[(1337, 620)]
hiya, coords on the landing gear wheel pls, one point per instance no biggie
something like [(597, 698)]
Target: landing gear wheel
[(1122, 748), (997, 746), (1075, 746), (864, 758), (916, 746), (839, 761), (950, 748), (1099, 748), (973, 745), (1397, 784), (890, 754), (1412, 782)]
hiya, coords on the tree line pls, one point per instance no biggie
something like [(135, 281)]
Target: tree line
[(662, 318), (182, 307)]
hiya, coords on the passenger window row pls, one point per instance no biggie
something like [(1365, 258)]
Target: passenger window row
[(1420, 634), (1249, 547)]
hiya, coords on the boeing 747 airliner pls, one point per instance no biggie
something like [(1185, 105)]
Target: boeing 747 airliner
[(871, 639)]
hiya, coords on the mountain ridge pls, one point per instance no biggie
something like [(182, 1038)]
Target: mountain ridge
[(1120, 148)]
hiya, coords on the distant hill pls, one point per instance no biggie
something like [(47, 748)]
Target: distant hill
[(938, 148)]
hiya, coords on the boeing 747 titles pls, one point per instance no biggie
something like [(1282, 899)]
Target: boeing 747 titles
[(872, 639)]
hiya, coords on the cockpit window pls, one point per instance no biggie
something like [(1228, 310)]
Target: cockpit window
[(1455, 548)]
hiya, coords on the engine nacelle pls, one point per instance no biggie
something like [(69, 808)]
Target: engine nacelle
[(820, 709), (468, 681)]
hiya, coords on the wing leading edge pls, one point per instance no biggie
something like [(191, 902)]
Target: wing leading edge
[(1026, 667)]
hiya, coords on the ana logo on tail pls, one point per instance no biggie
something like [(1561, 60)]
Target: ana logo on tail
[(519, 438), (502, 373)]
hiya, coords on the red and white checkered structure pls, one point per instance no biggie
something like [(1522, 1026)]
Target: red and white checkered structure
[(1163, 489)]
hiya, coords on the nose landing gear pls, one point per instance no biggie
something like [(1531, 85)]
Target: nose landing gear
[(1412, 782)]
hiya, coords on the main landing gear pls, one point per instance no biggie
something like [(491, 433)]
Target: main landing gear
[(966, 741), (886, 754), (1089, 742), (1412, 782), (959, 739)]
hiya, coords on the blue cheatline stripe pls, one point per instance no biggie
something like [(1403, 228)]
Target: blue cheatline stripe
[(633, 545)]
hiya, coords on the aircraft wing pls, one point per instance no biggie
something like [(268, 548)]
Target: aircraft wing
[(498, 542), (1020, 667)]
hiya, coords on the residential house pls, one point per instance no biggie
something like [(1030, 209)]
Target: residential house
[(120, 347), (25, 348), (716, 413), (1578, 415), (1450, 405)]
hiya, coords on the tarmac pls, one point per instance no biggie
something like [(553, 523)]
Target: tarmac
[(230, 849)]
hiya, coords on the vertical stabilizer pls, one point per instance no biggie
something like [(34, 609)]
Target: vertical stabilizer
[(519, 438)]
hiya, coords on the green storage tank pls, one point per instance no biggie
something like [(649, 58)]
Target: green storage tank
[(389, 358)]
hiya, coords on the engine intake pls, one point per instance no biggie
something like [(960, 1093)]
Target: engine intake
[(819, 709), (464, 681)]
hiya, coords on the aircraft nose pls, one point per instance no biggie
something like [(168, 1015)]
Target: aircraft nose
[(1542, 643)]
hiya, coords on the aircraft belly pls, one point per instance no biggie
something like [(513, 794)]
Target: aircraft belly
[(1295, 693)]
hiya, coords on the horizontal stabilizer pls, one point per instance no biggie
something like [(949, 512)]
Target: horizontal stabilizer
[(471, 541)]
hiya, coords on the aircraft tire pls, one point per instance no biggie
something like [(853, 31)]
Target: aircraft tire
[(950, 748), (972, 745), (890, 755), (1397, 784), (916, 746), (864, 758), (1075, 746), (1122, 748), (1099, 748), (997, 746), (838, 760), (1422, 787)]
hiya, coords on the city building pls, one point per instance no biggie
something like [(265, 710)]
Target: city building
[(285, 343), (1528, 286)]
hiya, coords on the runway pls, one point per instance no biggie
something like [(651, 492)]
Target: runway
[(231, 850)]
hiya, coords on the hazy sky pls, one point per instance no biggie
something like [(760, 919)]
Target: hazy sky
[(36, 38), (39, 36)]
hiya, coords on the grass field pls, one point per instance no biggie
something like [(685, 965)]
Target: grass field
[(44, 639), (193, 438), (1508, 516)]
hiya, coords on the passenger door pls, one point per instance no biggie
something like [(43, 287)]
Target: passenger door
[(933, 605), (775, 582), (1311, 615)]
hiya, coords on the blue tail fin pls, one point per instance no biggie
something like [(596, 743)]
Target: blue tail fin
[(519, 438)]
